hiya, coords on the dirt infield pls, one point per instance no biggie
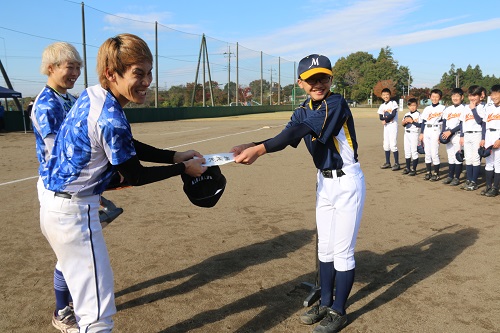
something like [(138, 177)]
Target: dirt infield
[(427, 253)]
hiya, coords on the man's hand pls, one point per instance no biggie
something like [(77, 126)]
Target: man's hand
[(186, 155), (236, 150), (194, 167)]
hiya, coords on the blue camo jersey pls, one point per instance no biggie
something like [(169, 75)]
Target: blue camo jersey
[(94, 137), (333, 144), (47, 115)]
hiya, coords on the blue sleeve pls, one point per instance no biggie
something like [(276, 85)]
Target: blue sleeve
[(117, 135), (327, 121), (461, 130), (477, 118), (483, 131), (456, 129), (443, 126), (289, 136), (422, 126)]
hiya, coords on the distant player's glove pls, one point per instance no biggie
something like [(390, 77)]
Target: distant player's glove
[(420, 148)]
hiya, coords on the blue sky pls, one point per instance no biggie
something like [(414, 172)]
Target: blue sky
[(427, 36)]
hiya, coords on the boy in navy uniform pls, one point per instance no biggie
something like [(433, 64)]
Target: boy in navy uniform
[(325, 123)]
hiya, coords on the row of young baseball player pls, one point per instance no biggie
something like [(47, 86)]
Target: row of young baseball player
[(470, 132)]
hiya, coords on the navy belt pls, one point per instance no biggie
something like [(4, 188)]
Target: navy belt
[(63, 195), (493, 129), (329, 173), (472, 132), (431, 125)]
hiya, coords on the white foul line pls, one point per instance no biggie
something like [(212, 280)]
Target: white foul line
[(19, 180)]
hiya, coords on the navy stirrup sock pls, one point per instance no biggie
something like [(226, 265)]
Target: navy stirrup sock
[(408, 162), (458, 170), (475, 172), (343, 286), (327, 277), (468, 171), (63, 296), (415, 163), (396, 157), (388, 156), (451, 171)]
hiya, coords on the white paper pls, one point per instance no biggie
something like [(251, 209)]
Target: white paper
[(218, 159)]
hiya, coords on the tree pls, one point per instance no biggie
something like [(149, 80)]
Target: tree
[(377, 89)]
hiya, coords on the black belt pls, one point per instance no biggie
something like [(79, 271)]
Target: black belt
[(430, 125), (63, 195), (329, 173), (472, 132), (493, 129)]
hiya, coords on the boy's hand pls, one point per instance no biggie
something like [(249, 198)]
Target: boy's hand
[(496, 145), (236, 150), (249, 155), (446, 134)]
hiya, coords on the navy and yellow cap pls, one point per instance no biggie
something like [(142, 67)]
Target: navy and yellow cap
[(314, 64)]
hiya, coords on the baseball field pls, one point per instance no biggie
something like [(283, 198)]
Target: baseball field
[(427, 253)]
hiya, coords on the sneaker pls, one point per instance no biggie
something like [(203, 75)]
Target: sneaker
[(466, 184), (493, 192), (455, 182), (434, 178), (472, 186), (448, 180), (65, 320), (386, 166), (486, 189), (396, 167), (406, 171), (412, 173), (314, 314), (109, 212), (428, 176), (332, 323)]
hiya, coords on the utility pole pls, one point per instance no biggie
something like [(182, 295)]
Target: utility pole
[(457, 81), (228, 73)]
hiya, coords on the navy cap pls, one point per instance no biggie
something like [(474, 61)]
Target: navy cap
[(443, 140), (484, 152), (460, 155), (206, 190), (314, 64)]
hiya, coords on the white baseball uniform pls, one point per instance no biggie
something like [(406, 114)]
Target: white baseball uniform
[(432, 115), (471, 134), (452, 116), (492, 125), (412, 132), (390, 128)]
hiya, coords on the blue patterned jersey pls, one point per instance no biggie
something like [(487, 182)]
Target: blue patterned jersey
[(94, 137), (49, 110), (333, 144)]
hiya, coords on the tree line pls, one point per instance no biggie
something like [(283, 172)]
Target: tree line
[(359, 76)]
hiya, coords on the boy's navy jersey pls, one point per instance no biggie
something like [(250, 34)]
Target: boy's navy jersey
[(333, 144), (49, 110), (94, 137)]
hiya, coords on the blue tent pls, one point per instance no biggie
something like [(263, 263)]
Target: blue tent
[(8, 93)]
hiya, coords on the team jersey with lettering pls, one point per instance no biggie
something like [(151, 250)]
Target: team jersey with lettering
[(492, 117), (333, 143), (94, 137), (452, 115), (469, 124), (388, 107), (48, 112), (415, 126), (433, 114)]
